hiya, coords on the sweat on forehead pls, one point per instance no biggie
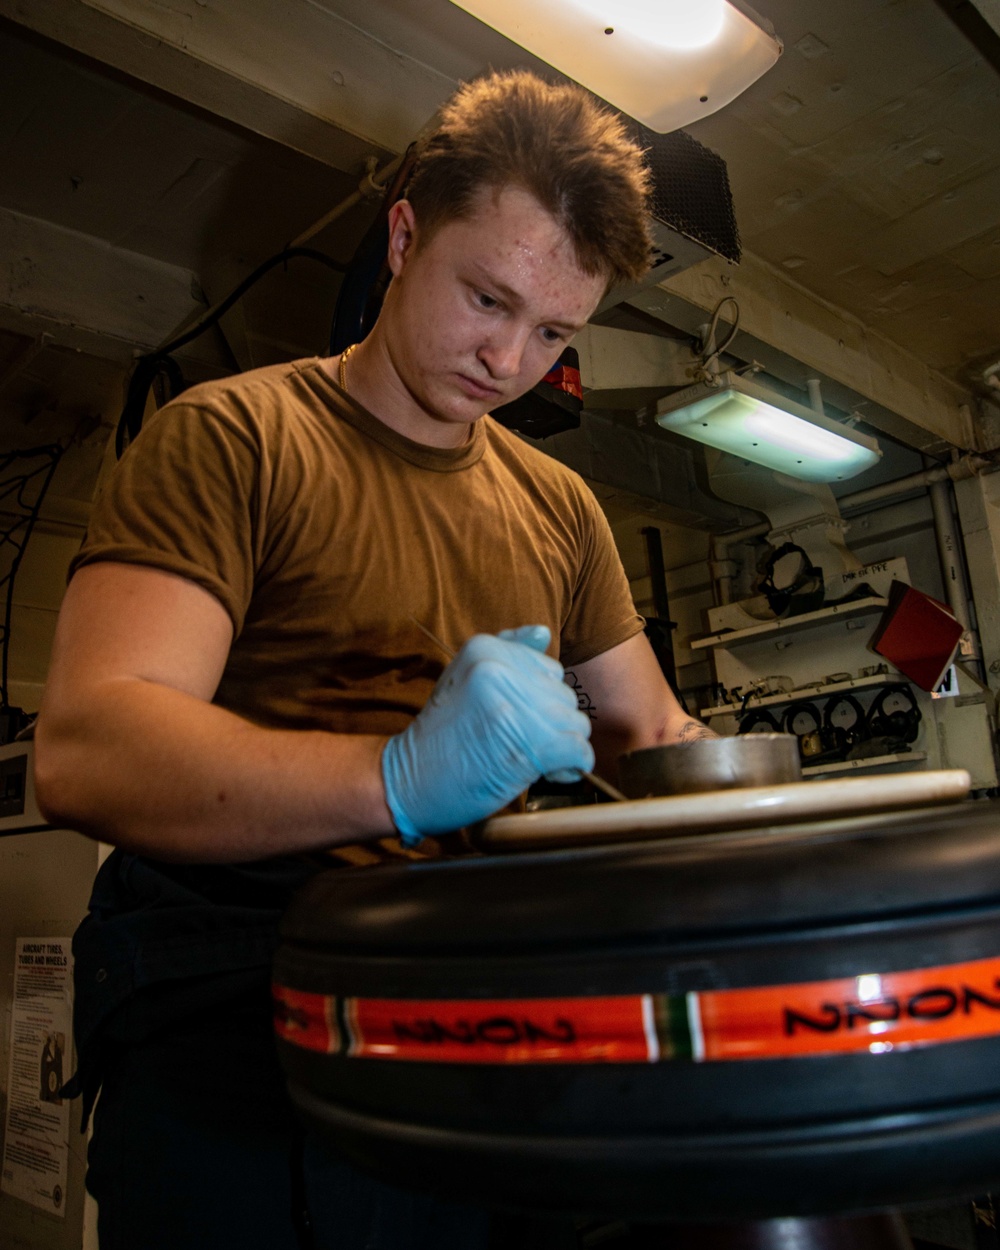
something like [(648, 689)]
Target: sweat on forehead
[(489, 196)]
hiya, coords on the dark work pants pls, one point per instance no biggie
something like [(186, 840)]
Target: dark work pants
[(195, 1146)]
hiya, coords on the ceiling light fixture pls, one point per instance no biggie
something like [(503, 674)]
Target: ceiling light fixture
[(676, 24), (666, 63), (734, 414)]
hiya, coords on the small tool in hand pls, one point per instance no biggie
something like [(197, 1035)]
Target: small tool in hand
[(597, 782)]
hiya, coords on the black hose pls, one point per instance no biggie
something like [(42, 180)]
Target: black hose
[(159, 363)]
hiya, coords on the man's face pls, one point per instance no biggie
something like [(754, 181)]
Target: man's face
[(480, 311)]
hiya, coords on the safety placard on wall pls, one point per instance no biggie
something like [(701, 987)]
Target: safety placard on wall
[(36, 1140)]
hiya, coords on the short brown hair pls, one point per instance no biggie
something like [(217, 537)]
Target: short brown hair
[(558, 143)]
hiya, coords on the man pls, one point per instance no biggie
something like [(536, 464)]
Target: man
[(241, 678)]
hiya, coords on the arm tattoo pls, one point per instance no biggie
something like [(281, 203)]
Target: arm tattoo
[(693, 730), (583, 700)]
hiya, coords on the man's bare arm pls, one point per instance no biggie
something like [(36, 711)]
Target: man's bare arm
[(632, 705), (129, 747)]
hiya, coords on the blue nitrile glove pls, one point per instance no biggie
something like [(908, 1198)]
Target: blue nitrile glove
[(499, 718), (538, 638)]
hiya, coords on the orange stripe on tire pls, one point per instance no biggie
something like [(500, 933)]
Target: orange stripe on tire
[(872, 1012)]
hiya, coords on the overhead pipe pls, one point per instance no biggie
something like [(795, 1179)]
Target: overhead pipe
[(949, 544), (720, 565), (372, 185), (951, 560), (955, 471), (814, 387)]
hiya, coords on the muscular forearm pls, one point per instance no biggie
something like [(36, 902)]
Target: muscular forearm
[(610, 742), (155, 770), (631, 704)]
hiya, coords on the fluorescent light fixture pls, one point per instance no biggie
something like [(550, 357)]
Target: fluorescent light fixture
[(736, 415), (666, 63)]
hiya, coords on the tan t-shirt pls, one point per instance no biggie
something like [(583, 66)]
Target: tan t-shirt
[(325, 535)]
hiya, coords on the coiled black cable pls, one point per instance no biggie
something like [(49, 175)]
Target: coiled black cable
[(160, 363)]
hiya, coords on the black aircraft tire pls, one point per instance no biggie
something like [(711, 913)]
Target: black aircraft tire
[(833, 1129)]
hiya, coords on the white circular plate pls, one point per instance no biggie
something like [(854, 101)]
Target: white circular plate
[(721, 810)]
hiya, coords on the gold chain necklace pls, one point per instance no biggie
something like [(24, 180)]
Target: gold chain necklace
[(343, 366)]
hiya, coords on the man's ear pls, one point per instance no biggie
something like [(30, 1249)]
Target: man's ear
[(402, 235)]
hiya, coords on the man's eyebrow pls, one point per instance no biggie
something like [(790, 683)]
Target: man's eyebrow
[(517, 300)]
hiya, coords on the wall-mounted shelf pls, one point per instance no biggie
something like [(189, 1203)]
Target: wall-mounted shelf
[(875, 761), (791, 624), (792, 696)]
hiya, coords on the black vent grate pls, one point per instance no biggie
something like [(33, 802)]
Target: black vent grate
[(691, 190)]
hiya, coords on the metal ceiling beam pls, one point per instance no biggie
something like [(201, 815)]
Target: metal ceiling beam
[(86, 294), (990, 10), (295, 73), (979, 22), (624, 369), (796, 335)]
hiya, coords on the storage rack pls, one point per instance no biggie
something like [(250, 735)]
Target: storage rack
[(791, 625), (821, 620)]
